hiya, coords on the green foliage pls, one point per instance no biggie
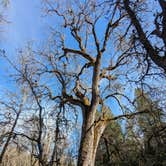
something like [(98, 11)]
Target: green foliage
[(143, 142), (109, 145)]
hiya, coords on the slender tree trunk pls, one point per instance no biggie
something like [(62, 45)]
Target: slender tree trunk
[(10, 136)]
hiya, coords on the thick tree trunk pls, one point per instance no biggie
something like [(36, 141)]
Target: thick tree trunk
[(87, 138), (91, 134)]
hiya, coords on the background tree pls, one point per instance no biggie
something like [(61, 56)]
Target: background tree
[(142, 142), (42, 131), (10, 113), (152, 126)]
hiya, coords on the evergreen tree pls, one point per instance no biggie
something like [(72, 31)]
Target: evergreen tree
[(143, 142)]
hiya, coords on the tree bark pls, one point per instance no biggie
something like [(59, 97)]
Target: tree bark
[(92, 131), (87, 139)]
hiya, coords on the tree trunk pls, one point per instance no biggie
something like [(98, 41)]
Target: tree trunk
[(91, 134), (4, 149)]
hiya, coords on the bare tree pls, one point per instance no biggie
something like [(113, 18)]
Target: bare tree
[(10, 107), (85, 72), (43, 132)]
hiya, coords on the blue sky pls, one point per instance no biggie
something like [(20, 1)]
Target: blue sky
[(26, 24)]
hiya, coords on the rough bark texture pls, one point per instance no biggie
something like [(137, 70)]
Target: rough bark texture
[(87, 139), (92, 131)]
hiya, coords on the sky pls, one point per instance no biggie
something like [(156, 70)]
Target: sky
[(25, 24)]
